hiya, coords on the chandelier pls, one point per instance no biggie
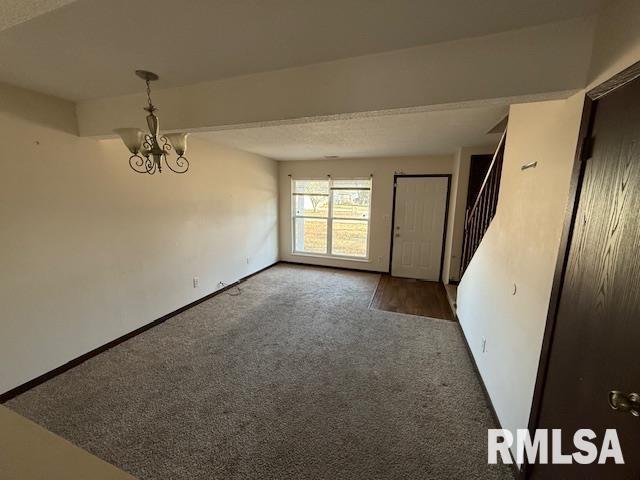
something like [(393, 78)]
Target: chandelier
[(149, 150)]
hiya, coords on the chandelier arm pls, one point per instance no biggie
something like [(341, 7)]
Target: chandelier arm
[(181, 163), (150, 164), (148, 142), (139, 165), (166, 146)]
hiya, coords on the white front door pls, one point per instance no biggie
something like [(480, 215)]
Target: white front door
[(419, 225)]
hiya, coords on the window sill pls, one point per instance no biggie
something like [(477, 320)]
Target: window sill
[(331, 257)]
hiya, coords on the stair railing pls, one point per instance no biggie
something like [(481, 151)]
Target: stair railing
[(478, 218)]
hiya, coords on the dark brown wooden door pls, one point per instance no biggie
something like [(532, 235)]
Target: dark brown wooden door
[(478, 168), (596, 344)]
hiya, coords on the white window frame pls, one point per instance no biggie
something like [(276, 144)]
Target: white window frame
[(329, 218)]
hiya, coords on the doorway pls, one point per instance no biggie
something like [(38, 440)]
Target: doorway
[(478, 168), (589, 374), (420, 209)]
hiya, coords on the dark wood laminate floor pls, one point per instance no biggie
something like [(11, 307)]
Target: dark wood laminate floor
[(415, 297)]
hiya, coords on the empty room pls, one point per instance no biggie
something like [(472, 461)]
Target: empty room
[(355, 239)]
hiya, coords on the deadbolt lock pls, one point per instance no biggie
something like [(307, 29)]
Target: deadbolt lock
[(625, 402)]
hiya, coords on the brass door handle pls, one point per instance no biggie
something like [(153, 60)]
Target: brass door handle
[(625, 402)]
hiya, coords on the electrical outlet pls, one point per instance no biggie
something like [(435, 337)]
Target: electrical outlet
[(484, 345), (247, 260), (196, 282)]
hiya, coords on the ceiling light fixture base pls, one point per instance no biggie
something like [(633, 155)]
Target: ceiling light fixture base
[(147, 76)]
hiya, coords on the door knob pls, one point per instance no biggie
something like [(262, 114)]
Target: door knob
[(625, 402)]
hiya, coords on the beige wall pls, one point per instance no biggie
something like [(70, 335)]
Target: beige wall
[(454, 205), (617, 41), (518, 254), (30, 452), (381, 200), (91, 250), (522, 242)]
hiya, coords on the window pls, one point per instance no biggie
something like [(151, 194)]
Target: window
[(331, 217)]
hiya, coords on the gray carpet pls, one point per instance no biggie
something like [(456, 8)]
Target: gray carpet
[(294, 379)]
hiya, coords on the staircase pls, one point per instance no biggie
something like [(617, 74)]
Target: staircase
[(478, 217)]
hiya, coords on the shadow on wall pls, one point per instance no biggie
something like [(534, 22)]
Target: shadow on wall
[(616, 44), (38, 109)]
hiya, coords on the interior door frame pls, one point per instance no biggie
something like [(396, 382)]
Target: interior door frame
[(446, 213), (583, 152)]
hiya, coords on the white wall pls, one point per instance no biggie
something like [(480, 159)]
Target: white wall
[(520, 248), (532, 61), (381, 200), (91, 250)]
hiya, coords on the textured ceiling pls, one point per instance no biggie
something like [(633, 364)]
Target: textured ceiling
[(89, 48), (425, 133), (14, 12)]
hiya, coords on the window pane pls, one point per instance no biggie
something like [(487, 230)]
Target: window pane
[(311, 186), (310, 235), (311, 206), (349, 238), (351, 203), (351, 183)]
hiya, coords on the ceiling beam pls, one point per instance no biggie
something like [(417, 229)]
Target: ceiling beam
[(534, 62)]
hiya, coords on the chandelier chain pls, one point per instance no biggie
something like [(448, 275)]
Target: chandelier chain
[(151, 108)]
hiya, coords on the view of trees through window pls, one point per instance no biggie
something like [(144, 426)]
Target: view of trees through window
[(331, 217)]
